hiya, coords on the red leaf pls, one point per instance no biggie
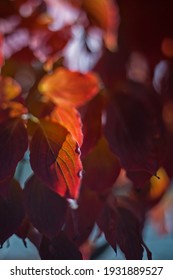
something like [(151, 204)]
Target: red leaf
[(64, 86), (59, 248), (69, 117), (45, 208), (122, 227), (11, 210), (134, 129), (55, 158), (80, 221), (13, 144), (101, 167), (92, 123)]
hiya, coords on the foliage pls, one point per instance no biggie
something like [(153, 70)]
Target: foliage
[(86, 90)]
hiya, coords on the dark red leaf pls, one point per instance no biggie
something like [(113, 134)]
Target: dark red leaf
[(55, 158), (122, 227), (80, 221), (45, 208), (134, 129), (11, 209), (13, 144), (101, 167), (59, 248), (92, 122)]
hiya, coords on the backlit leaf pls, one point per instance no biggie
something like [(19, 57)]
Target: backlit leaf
[(45, 208), (13, 144), (11, 210), (9, 89), (69, 117), (55, 158), (64, 86)]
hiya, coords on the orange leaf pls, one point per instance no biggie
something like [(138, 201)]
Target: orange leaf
[(69, 117), (13, 144), (55, 158), (9, 89), (64, 86)]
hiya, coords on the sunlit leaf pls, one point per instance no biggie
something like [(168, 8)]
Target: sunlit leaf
[(11, 210), (101, 167), (64, 86), (55, 158), (45, 208), (9, 89), (13, 144), (59, 248), (69, 117)]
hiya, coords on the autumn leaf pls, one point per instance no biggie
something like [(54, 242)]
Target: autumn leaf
[(69, 117), (100, 174), (59, 248), (134, 130), (92, 129), (55, 158), (13, 144), (80, 222), (9, 89), (65, 86), (11, 209), (122, 227), (45, 208)]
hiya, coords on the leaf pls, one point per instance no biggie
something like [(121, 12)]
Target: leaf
[(101, 167), (9, 89), (92, 123), (59, 248), (55, 159), (122, 227), (80, 222), (69, 117), (11, 209), (45, 208), (64, 86), (134, 129), (13, 144)]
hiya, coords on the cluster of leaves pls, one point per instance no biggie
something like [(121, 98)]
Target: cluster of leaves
[(100, 142)]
